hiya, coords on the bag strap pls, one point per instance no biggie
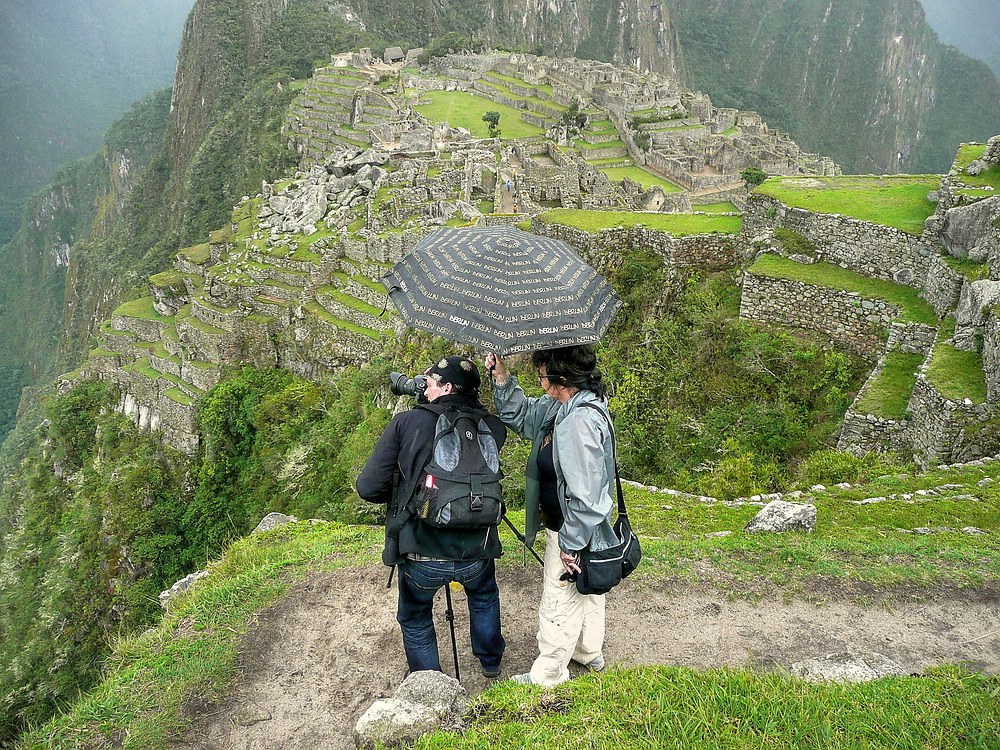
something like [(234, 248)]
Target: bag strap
[(622, 510)]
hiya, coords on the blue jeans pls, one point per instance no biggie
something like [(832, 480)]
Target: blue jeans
[(420, 580)]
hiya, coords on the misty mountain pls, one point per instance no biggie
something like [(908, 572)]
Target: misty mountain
[(68, 70), (966, 24)]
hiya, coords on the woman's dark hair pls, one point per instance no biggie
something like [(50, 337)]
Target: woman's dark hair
[(573, 366)]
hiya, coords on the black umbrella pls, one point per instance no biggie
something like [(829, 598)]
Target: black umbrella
[(502, 289)]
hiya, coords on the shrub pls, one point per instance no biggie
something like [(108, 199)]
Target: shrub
[(830, 467)]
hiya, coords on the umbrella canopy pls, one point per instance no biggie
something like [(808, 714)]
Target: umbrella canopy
[(501, 288)]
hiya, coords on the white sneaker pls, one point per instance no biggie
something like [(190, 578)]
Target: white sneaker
[(597, 664), (522, 679)]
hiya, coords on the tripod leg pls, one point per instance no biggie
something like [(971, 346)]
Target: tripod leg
[(449, 614)]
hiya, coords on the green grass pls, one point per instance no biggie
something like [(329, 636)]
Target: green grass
[(466, 110), (676, 224), (544, 87), (990, 177), (204, 327), (889, 394), (582, 144), (912, 308), (969, 269), (170, 279), (643, 176), (320, 312), (654, 708), (140, 308), (197, 254), (957, 374), (896, 201), (193, 652), (716, 208)]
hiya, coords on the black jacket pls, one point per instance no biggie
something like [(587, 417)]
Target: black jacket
[(393, 466)]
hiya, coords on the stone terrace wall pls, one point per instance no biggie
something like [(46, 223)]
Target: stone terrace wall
[(607, 248), (848, 319), (870, 249), (863, 432), (943, 286), (945, 431), (991, 357)]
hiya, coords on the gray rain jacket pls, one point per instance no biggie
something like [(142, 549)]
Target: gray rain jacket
[(583, 453)]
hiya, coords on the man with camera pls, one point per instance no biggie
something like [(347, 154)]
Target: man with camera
[(441, 522)]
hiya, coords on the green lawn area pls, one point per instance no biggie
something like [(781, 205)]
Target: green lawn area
[(967, 154), (593, 146), (677, 224), (912, 308), (465, 110), (643, 176), (544, 87), (140, 308), (888, 396), (957, 374), (716, 208), (894, 201)]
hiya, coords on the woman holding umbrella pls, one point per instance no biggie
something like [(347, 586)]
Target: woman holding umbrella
[(569, 489)]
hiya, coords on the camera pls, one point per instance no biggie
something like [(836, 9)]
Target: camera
[(404, 386)]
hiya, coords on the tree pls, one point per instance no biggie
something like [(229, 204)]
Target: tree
[(753, 176), (492, 120)]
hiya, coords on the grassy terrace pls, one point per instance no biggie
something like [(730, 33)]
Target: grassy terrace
[(889, 394), (970, 269), (542, 104), (466, 110), (326, 316), (582, 144), (897, 201), (140, 308), (150, 678), (643, 176), (543, 87), (197, 254), (716, 208), (912, 308), (677, 224), (957, 374), (988, 178)]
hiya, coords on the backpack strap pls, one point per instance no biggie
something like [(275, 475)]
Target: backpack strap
[(622, 510)]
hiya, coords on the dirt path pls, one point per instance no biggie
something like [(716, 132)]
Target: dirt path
[(313, 663)]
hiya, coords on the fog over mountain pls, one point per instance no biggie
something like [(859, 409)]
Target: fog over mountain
[(969, 25), (67, 71)]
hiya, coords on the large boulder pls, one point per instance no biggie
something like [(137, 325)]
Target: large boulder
[(968, 231), (779, 516), (391, 722), (423, 703), (976, 299)]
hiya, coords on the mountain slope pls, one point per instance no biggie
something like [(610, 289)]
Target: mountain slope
[(70, 70), (865, 82)]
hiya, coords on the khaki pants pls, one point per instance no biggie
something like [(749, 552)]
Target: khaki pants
[(570, 625)]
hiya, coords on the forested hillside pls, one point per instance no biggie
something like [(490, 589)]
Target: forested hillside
[(864, 82), (69, 70)]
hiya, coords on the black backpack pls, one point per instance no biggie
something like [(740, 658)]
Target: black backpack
[(460, 485)]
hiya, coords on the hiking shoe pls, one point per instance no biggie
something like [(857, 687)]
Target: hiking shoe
[(491, 674), (597, 664), (522, 679)]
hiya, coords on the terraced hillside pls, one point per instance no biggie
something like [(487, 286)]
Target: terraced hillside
[(905, 271), (257, 292)]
